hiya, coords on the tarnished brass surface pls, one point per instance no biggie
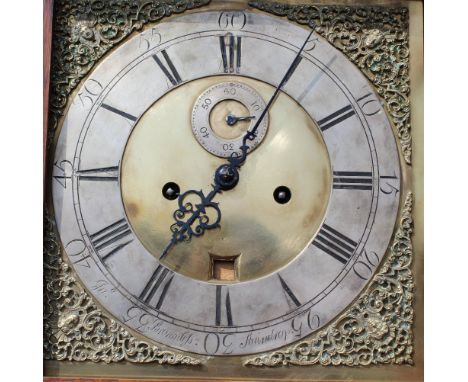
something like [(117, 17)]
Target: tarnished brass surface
[(78, 43), (267, 235)]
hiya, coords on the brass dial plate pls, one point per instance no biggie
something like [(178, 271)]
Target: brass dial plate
[(264, 234), (226, 318)]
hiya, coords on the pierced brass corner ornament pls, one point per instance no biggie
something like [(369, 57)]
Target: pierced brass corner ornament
[(75, 329), (375, 39), (377, 329), (84, 30)]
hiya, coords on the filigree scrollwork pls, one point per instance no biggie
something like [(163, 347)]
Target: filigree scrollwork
[(84, 30), (196, 214), (193, 220), (375, 39), (378, 326), (75, 329)]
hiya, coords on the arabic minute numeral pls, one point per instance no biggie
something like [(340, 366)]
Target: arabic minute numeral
[(311, 44), (369, 104), (149, 39), (386, 185), (364, 266), (204, 132), (312, 322), (214, 342), (78, 252), (89, 93), (232, 20)]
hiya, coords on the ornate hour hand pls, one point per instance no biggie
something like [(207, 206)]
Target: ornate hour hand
[(192, 219)]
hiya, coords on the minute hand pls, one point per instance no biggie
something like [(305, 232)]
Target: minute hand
[(251, 134)]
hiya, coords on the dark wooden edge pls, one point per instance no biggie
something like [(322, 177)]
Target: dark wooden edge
[(110, 379), (46, 61)]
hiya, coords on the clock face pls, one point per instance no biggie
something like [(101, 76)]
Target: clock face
[(300, 234)]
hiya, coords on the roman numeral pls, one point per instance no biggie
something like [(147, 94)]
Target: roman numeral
[(352, 180), (171, 72), (219, 305), (336, 117), (231, 48), (161, 279), (289, 292), (111, 239), (99, 174), (119, 112), (335, 244)]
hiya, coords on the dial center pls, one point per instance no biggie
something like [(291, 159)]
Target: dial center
[(268, 218)]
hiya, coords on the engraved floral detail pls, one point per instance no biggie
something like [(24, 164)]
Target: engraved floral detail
[(375, 39), (75, 329), (377, 328), (84, 30)]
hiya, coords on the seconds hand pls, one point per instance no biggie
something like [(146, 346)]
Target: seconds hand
[(193, 220)]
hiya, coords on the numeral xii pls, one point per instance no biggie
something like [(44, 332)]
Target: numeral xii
[(231, 48)]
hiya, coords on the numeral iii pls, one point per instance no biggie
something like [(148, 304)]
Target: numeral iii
[(352, 180)]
